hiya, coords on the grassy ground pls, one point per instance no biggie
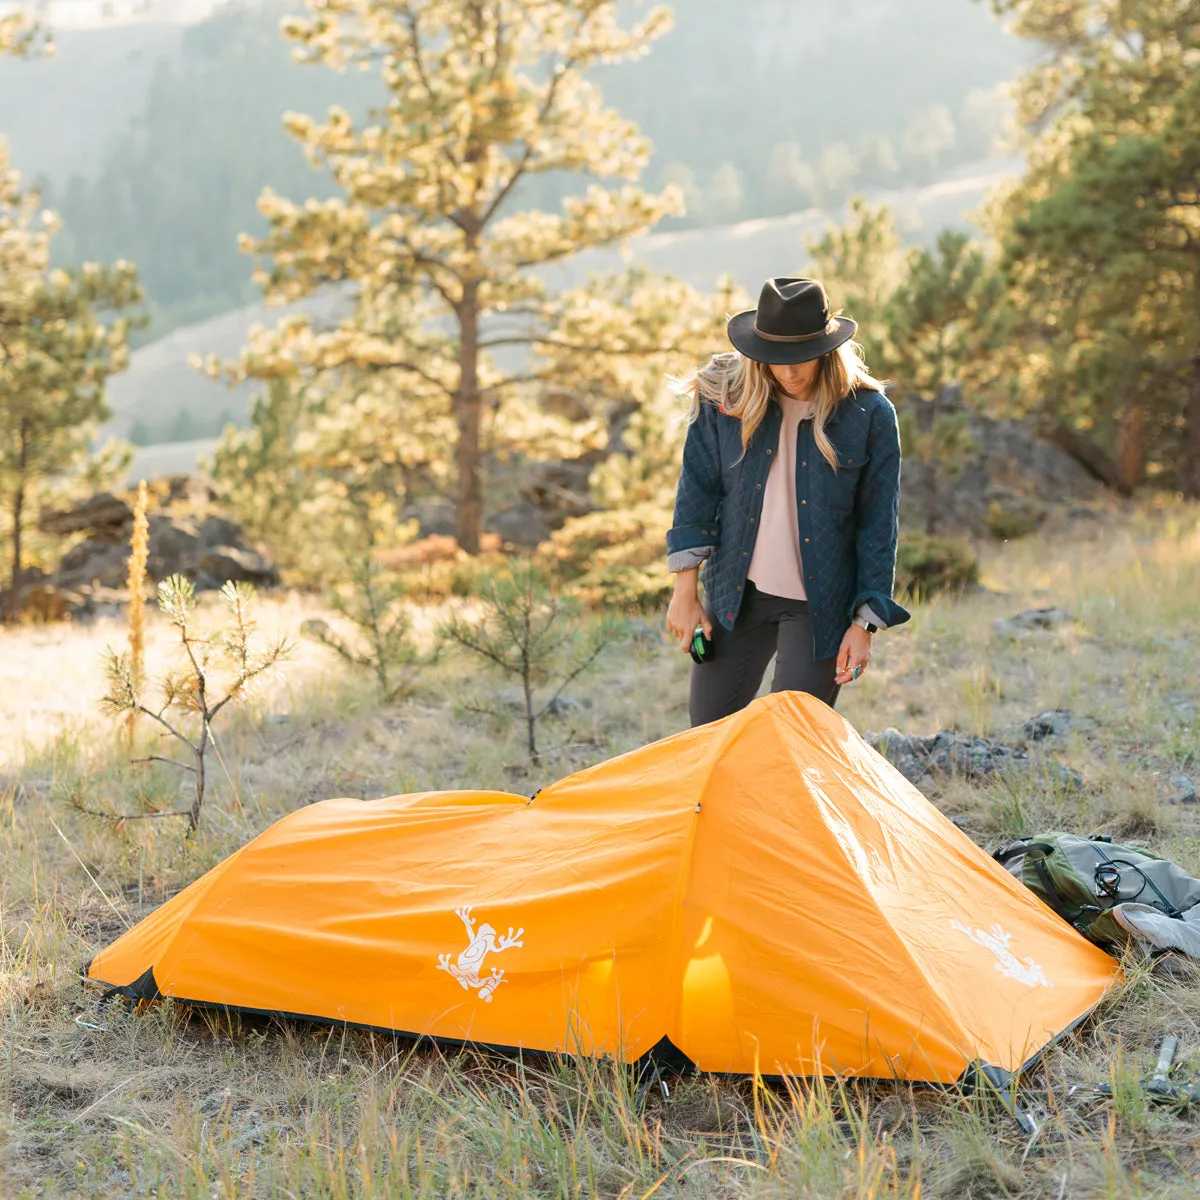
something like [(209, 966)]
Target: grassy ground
[(167, 1103)]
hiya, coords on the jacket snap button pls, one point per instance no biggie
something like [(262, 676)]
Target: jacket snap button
[(745, 553), (803, 501), (811, 578), (816, 614), (849, 462), (758, 487), (768, 451), (804, 462), (751, 520), (739, 587), (807, 539)]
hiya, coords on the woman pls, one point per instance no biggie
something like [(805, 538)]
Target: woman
[(789, 496)]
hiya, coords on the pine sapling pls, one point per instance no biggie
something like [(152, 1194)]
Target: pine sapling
[(374, 604), (533, 636), (217, 667)]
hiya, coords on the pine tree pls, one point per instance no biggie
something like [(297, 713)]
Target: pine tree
[(861, 264), (60, 339), (938, 326), (485, 100), (1102, 236)]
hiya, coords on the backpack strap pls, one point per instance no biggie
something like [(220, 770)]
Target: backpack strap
[(1037, 854)]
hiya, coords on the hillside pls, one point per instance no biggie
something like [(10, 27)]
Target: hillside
[(155, 139), (149, 398)]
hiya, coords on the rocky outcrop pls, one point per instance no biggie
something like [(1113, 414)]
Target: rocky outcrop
[(1011, 480), (950, 752), (92, 575)]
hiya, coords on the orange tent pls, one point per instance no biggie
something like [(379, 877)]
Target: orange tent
[(762, 893)]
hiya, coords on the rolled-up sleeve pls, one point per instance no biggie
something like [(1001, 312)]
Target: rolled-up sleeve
[(698, 496), (877, 510)]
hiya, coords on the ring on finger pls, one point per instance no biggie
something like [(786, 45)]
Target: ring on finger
[(857, 671)]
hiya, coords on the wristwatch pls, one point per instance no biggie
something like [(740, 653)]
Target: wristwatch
[(865, 624)]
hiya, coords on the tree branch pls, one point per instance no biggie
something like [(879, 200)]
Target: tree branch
[(159, 758), (167, 726), (519, 169), (579, 670), (146, 816)]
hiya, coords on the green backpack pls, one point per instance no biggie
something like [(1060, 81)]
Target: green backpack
[(1082, 879)]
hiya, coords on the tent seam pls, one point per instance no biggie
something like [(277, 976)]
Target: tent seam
[(944, 1012)]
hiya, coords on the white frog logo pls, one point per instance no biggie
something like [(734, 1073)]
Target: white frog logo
[(480, 943), (997, 940)]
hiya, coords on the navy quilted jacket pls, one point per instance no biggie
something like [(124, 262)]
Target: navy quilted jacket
[(849, 519)]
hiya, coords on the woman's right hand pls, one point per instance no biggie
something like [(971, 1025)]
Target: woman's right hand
[(685, 611)]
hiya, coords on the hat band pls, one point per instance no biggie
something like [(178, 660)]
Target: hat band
[(795, 337)]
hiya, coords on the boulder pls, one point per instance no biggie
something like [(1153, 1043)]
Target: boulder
[(103, 515), (1010, 481), (1184, 791), (1054, 723), (94, 563), (207, 550), (239, 564)]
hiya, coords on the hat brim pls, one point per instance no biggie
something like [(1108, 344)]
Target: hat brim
[(741, 333)]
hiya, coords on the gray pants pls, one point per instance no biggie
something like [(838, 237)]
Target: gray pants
[(765, 625)]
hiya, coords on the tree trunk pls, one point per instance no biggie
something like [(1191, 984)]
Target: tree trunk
[(18, 515), (470, 408), (1191, 465), (18, 511), (1131, 449)]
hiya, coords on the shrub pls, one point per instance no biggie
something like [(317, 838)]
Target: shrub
[(614, 558), (926, 563), (1014, 519)]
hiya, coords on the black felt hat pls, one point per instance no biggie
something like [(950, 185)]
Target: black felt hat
[(792, 324)]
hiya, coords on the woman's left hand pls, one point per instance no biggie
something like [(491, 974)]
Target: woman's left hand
[(855, 652)]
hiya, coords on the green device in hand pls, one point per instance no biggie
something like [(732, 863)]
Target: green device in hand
[(701, 648)]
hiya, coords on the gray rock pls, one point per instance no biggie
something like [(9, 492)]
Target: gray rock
[(92, 576), (1054, 723), (173, 542), (905, 752), (434, 516), (1184, 791), (239, 564), (951, 753), (523, 524), (1010, 468), (219, 531), (560, 490), (1034, 619), (93, 564), (100, 512), (513, 698)]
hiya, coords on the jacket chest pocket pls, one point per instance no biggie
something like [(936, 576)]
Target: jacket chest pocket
[(839, 488)]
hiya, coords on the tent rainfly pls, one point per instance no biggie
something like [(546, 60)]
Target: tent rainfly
[(765, 893)]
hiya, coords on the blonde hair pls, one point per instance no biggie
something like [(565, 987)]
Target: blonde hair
[(743, 387)]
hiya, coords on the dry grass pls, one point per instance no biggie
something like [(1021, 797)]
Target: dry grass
[(167, 1103)]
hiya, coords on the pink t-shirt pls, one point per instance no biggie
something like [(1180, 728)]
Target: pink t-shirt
[(775, 565)]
